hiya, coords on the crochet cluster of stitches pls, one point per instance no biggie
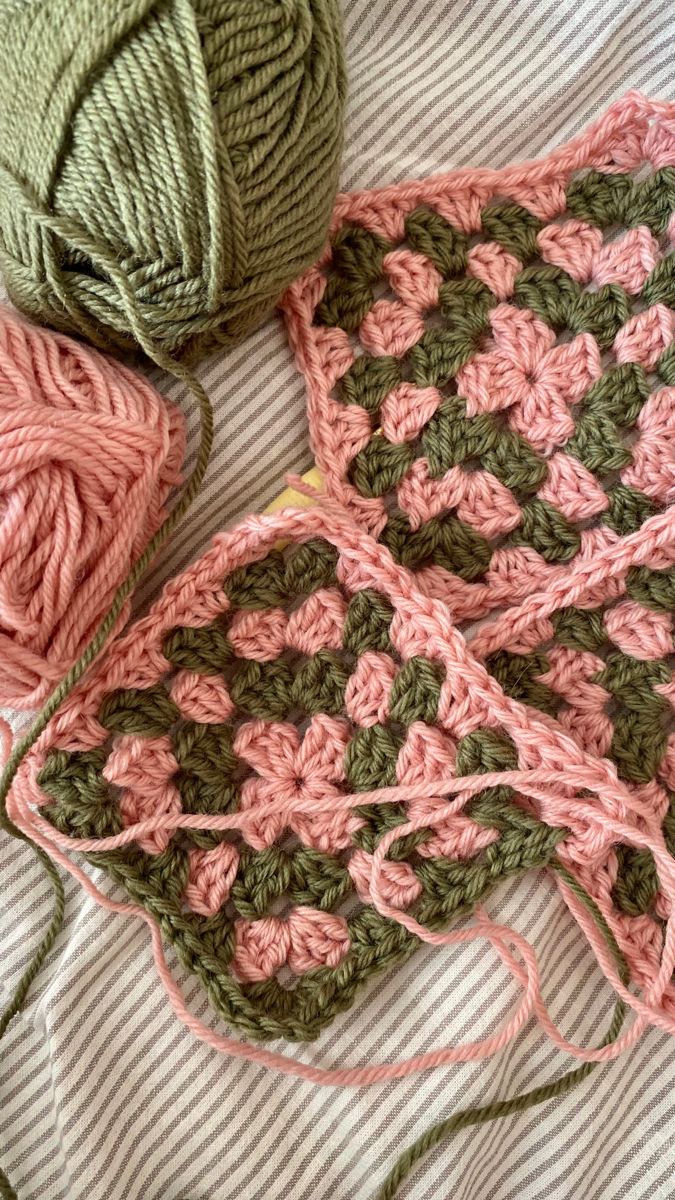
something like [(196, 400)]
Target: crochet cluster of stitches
[(498, 434), (258, 680), (490, 360)]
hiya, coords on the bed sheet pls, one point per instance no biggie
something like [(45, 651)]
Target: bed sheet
[(103, 1094)]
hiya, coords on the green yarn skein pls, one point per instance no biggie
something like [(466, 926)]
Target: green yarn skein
[(188, 147)]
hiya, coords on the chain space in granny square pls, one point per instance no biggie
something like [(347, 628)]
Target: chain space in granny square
[(490, 359)]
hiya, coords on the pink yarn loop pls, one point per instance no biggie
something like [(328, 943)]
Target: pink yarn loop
[(89, 452)]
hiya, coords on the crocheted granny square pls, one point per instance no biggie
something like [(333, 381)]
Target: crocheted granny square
[(490, 359), (222, 746)]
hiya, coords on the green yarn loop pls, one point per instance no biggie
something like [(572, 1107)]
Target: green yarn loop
[(194, 145)]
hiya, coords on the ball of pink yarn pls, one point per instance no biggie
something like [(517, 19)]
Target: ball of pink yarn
[(89, 452)]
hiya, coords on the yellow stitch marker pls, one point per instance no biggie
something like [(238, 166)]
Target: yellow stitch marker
[(290, 496)]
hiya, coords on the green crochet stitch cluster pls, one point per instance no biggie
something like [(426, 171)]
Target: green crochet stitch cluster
[(293, 687)]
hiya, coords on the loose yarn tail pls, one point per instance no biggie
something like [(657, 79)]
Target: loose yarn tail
[(592, 922), (438, 1133), (95, 647), (409, 1159)]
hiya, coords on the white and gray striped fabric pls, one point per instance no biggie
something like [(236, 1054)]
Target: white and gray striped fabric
[(103, 1094)]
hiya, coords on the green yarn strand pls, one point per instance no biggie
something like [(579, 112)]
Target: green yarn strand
[(35, 966), (50, 935), (95, 647), (493, 1112), (6, 1190), (164, 175), (539, 1095)]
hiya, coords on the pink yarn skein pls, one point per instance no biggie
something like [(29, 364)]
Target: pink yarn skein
[(89, 452)]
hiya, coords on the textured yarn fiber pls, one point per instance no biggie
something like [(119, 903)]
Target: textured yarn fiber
[(320, 692), (170, 166), (89, 452)]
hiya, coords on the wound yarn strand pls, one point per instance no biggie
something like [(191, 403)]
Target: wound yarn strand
[(89, 454), (196, 141)]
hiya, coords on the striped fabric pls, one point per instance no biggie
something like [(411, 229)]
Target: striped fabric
[(103, 1094)]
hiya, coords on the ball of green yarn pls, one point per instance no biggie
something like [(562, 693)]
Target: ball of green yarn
[(166, 166)]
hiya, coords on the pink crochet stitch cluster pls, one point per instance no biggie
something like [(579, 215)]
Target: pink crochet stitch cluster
[(528, 376)]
